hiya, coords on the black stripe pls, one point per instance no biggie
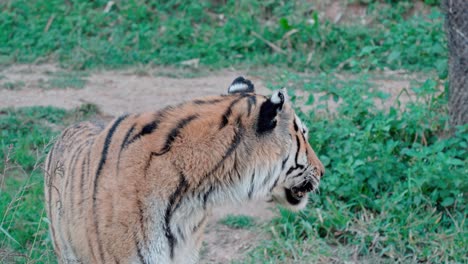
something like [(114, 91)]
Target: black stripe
[(232, 147), (139, 253), (181, 234), (206, 195), (174, 134), (124, 145), (68, 130), (298, 149), (81, 179), (179, 202), (305, 142), (75, 130), (296, 127), (231, 173), (298, 166), (102, 161), (126, 142), (228, 112), (76, 154), (291, 169), (87, 161), (197, 226), (148, 163), (167, 217), (72, 186), (274, 183), (147, 129), (251, 102), (138, 243), (265, 181), (70, 178), (252, 183), (283, 163)]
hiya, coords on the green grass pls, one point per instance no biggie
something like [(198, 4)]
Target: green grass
[(62, 80), (25, 135), (238, 221), (395, 189), (16, 85), (80, 35)]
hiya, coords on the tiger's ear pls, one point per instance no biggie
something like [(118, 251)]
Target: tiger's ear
[(269, 110), (241, 85)]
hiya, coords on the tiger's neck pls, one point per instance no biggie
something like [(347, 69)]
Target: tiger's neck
[(179, 224)]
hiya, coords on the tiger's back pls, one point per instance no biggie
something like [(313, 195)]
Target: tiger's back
[(140, 189)]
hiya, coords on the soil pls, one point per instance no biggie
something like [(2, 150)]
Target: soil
[(118, 92)]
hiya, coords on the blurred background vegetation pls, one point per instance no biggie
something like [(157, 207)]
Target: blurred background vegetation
[(396, 184)]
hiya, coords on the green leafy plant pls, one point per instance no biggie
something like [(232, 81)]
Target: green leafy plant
[(238, 221)]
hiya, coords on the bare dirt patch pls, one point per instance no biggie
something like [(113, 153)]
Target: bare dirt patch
[(224, 244), (115, 92)]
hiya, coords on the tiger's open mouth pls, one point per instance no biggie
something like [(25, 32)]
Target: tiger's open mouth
[(295, 194)]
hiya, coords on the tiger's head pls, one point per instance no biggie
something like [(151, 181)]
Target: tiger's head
[(293, 167)]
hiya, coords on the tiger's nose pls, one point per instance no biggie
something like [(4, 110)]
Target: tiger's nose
[(319, 168), (321, 171), (314, 161)]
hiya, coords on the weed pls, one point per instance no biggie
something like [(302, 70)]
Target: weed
[(17, 85), (238, 221)]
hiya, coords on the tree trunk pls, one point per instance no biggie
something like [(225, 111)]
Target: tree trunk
[(457, 36)]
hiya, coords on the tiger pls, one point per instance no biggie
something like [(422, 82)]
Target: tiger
[(140, 189)]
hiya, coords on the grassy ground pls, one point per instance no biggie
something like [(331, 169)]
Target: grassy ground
[(396, 183), (25, 136), (81, 35)]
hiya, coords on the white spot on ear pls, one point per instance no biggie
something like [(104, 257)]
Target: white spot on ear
[(279, 96), (275, 98), (241, 85)]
